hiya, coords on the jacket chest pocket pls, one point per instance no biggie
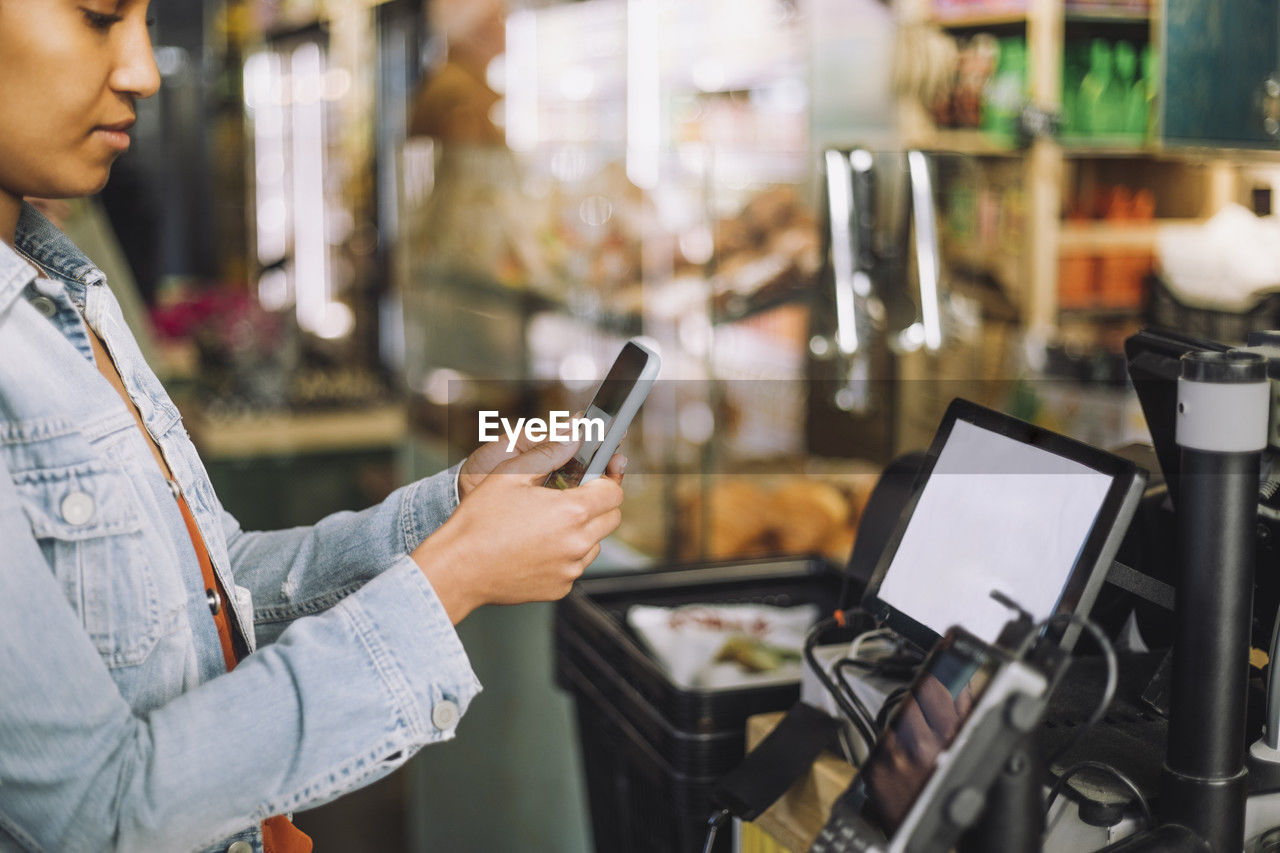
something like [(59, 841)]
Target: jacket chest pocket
[(89, 528)]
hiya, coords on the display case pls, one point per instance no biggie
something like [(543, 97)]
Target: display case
[(657, 180), (668, 171)]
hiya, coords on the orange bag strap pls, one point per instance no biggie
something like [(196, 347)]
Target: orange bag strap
[(279, 835)]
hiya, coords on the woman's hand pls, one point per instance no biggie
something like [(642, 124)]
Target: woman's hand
[(487, 457), (513, 540)]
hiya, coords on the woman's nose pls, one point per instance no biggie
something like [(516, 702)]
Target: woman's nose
[(135, 73)]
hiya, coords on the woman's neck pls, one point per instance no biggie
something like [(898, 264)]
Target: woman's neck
[(10, 210)]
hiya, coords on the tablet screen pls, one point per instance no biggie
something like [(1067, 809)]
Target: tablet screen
[(995, 514)]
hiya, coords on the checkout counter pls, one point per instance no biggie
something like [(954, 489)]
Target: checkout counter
[(1144, 749)]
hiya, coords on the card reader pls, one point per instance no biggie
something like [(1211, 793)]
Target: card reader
[(926, 779)]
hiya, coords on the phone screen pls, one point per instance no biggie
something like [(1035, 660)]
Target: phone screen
[(923, 726), (610, 396)]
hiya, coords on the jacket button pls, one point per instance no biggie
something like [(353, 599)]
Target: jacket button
[(78, 508), (44, 305), (240, 847), (444, 714), (215, 600)]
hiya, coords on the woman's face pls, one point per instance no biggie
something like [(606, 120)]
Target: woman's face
[(72, 72)]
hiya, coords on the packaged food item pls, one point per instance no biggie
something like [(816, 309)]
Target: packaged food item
[(725, 645), (734, 518), (744, 516), (807, 514)]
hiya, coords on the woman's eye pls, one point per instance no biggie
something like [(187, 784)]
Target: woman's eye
[(100, 21)]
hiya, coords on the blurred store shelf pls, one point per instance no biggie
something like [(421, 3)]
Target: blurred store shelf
[(1103, 236), (277, 434)]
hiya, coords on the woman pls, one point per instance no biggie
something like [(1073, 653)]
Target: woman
[(128, 593)]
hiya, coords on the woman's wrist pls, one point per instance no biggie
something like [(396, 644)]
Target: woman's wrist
[(441, 564), (467, 480)]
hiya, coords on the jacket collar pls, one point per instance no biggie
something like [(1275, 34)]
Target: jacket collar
[(39, 240)]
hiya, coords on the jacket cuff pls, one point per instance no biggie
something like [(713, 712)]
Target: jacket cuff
[(426, 505), (415, 650)]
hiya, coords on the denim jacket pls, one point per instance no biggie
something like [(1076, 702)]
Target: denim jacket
[(119, 728)]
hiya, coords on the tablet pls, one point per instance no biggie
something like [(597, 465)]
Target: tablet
[(1002, 505)]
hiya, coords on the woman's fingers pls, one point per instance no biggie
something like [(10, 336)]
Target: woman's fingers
[(599, 496), (617, 468), (602, 525), (539, 461)]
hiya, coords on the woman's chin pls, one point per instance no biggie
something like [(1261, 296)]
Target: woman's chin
[(77, 178), (98, 183), (92, 175), (91, 182)]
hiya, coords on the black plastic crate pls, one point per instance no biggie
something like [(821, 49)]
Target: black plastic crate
[(694, 753), (595, 613), (639, 803), (1229, 327)]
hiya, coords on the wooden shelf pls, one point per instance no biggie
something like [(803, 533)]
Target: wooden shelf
[(1098, 314), (1103, 236), (1106, 16), (976, 143), (979, 143), (1080, 148), (1119, 147), (966, 20)]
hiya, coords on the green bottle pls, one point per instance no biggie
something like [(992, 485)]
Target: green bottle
[(1151, 84), (1006, 91), (1099, 109), (1075, 63), (1133, 90)]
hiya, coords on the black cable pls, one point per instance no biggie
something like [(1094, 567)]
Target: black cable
[(1113, 674), (896, 666), (1103, 768), (893, 664), (846, 746), (717, 820), (890, 702), (861, 663), (854, 699), (849, 711)]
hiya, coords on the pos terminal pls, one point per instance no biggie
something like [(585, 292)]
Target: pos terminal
[(1003, 511), (927, 777)]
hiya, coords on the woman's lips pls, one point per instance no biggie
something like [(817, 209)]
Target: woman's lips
[(117, 139), (116, 134)]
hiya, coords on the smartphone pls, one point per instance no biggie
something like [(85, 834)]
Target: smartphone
[(615, 403)]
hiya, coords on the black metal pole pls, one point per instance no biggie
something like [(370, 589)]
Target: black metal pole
[(1223, 401)]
